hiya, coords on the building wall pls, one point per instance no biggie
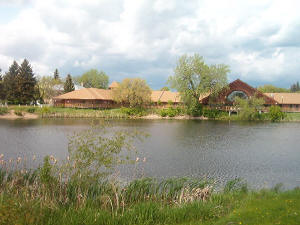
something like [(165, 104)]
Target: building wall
[(290, 107), (84, 104)]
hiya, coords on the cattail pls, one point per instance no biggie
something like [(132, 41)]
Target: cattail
[(144, 160), (10, 160), (19, 159), (137, 159), (34, 158), (1, 156)]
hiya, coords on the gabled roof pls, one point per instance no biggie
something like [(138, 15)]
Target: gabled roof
[(285, 98), (88, 93), (165, 96), (239, 85)]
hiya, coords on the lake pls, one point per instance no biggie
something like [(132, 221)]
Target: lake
[(263, 154)]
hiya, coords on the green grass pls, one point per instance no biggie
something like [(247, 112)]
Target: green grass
[(292, 117)]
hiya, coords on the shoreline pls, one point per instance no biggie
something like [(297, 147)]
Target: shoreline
[(12, 116)]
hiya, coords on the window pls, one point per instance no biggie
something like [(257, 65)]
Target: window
[(235, 94)]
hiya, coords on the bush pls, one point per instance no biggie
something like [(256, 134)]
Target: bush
[(133, 111), (195, 109), (170, 112), (3, 110), (31, 110), (276, 114), (18, 112), (213, 113)]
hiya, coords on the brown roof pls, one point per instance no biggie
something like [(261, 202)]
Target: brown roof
[(165, 96), (114, 84), (239, 85), (88, 93), (285, 98)]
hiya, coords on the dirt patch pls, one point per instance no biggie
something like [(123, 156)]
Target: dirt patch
[(12, 116)]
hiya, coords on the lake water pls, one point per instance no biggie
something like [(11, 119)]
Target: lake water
[(263, 154)]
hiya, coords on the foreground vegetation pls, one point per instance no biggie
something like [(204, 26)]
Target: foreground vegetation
[(85, 189), (37, 197)]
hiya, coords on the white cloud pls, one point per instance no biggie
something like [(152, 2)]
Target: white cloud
[(257, 38)]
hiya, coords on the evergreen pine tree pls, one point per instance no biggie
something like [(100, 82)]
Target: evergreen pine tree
[(10, 84), (26, 83), (69, 85), (2, 95), (56, 74)]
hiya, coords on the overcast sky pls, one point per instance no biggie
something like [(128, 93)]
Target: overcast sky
[(258, 39)]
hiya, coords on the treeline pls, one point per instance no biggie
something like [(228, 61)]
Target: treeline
[(19, 84), (268, 88)]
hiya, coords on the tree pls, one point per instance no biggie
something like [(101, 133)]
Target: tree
[(165, 89), (2, 93), (69, 85), (56, 75), (276, 114), (10, 84), (250, 108), (133, 92), (268, 88), (93, 79), (47, 85), (295, 87), (193, 78), (26, 83)]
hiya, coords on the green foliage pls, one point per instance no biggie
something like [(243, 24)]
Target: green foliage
[(171, 112), (94, 153), (236, 185), (295, 87), (276, 114), (213, 113), (133, 92), (193, 78), (3, 110), (250, 109), (10, 83), (138, 111), (56, 75), (194, 108), (31, 110), (93, 79), (268, 88), (165, 89), (46, 173), (69, 85), (18, 112), (47, 87)]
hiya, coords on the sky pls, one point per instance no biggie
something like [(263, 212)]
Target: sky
[(258, 39)]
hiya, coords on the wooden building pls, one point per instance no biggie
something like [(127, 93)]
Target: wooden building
[(237, 88), (86, 98), (289, 102)]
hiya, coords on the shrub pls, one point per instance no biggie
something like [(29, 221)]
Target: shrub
[(31, 110), (45, 110), (195, 109), (133, 111), (3, 110), (276, 114), (170, 112), (213, 113), (18, 112)]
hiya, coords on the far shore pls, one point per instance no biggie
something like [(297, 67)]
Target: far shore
[(12, 116)]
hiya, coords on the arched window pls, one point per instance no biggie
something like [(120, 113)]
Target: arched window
[(235, 94)]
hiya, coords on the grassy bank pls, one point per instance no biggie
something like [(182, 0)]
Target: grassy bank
[(169, 112), (36, 197)]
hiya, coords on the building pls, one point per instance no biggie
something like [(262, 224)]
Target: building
[(289, 102), (101, 98), (86, 98), (235, 89)]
